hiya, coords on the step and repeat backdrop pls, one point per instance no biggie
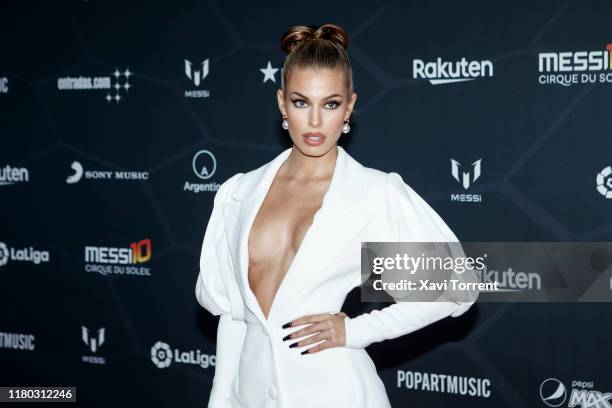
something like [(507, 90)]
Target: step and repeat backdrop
[(120, 120)]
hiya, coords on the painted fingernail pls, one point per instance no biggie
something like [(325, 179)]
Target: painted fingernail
[(294, 345), (304, 352), (287, 337), (286, 325)]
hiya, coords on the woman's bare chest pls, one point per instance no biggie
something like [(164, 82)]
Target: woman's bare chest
[(282, 222), (279, 227)]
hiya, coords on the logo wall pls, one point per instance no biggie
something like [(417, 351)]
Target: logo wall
[(204, 166), (162, 356), (554, 393), (93, 341), (466, 178), (78, 172), (27, 254), (119, 261), (444, 383), (440, 72), (17, 341), (11, 175), (116, 85), (196, 75), (575, 67), (269, 73), (603, 182)]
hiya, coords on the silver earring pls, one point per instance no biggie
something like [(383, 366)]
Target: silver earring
[(285, 124), (346, 128)]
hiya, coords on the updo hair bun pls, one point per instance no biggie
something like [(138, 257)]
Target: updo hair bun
[(297, 35), (317, 47)]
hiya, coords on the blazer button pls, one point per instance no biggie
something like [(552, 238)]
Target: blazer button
[(272, 392)]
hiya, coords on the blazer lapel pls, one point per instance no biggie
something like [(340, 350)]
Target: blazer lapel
[(340, 218), (239, 215)]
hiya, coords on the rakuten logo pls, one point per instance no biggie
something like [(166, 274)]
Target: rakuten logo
[(446, 72)]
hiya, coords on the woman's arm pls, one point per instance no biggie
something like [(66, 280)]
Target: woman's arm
[(411, 219)]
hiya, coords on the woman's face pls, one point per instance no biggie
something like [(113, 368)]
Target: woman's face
[(316, 105)]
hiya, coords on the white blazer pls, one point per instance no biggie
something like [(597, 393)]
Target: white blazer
[(254, 366)]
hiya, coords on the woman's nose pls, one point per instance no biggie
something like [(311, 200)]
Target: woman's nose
[(315, 118)]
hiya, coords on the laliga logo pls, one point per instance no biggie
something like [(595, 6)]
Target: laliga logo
[(28, 254), (604, 182), (465, 179), (4, 254), (196, 76), (552, 392), (161, 354)]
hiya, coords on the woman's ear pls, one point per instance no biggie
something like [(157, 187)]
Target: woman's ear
[(351, 104), (280, 96)]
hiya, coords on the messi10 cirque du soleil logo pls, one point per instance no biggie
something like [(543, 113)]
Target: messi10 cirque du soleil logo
[(575, 67), (119, 261)]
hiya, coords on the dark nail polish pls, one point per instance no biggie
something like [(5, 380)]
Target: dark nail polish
[(304, 352), (287, 337), (286, 325), (293, 345)]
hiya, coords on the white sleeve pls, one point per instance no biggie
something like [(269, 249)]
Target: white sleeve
[(212, 292), (411, 220)]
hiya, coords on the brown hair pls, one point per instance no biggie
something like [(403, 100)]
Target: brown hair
[(316, 47)]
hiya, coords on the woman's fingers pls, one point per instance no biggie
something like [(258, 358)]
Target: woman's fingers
[(315, 318), (313, 328), (319, 347), (310, 340), (326, 329)]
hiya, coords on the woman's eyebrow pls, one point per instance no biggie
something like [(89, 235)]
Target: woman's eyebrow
[(327, 97)]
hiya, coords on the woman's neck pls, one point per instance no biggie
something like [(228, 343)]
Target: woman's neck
[(299, 166)]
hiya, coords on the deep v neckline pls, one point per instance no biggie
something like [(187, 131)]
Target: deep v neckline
[(259, 205)]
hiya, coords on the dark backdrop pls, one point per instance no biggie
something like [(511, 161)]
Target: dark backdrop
[(541, 147)]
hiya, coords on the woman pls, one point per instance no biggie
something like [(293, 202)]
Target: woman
[(282, 250)]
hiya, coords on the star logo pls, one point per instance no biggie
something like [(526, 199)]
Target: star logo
[(269, 73)]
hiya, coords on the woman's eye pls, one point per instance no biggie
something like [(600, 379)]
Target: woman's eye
[(332, 104), (300, 103)]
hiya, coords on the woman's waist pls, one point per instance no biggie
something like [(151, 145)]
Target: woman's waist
[(278, 315)]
